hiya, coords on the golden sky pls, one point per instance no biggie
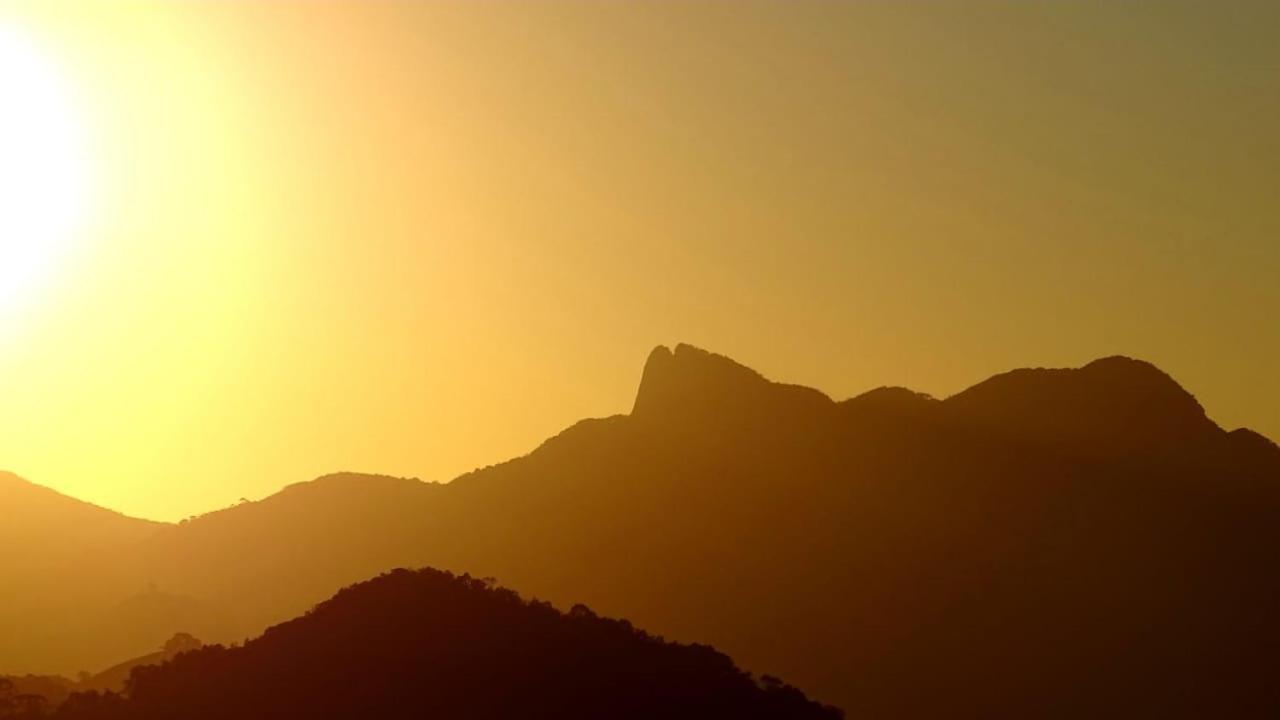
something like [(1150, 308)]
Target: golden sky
[(415, 238)]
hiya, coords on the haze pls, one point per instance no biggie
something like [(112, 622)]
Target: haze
[(418, 238)]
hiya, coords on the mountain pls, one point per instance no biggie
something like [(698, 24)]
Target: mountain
[(1048, 542), (431, 644)]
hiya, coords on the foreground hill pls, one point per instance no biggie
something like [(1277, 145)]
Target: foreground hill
[(1067, 542), (430, 644)]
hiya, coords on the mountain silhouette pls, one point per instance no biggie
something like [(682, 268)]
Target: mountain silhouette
[(425, 643), (1048, 542)]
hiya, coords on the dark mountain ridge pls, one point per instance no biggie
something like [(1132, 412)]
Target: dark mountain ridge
[(1112, 407), (430, 644)]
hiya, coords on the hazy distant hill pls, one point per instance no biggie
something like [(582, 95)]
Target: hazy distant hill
[(1047, 542), (61, 569), (429, 644)]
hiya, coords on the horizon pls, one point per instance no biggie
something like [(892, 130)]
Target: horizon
[(415, 237), (497, 461)]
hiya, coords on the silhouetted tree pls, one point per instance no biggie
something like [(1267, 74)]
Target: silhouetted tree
[(15, 705), (180, 643)]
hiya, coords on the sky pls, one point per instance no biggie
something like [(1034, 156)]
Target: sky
[(419, 238)]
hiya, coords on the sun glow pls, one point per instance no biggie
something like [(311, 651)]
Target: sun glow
[(43, 168)]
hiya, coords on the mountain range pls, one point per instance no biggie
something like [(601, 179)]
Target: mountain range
[(1048, 542)]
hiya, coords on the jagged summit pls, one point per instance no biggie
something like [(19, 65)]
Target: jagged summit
[(690, 379), (668, 374)]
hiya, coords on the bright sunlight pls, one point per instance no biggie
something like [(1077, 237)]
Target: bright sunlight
[(43, 168)]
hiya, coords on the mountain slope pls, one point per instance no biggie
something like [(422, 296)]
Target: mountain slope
[(429, 644), (64, 565), (61, 527)]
